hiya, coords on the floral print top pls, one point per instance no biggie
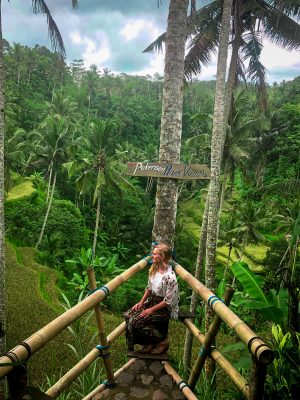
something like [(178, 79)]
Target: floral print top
[(165, 285)]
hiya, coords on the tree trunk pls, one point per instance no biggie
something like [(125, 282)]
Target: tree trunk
[(187, 353), (217, 142), (171, 120), (231, 80), (49, 183), (2, 228), (47, 212), (96, 225)]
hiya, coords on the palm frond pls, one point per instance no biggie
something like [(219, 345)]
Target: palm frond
[(40, 7), (202, 48), (281, 29), (289, 7), (157, 45), (287, 187), (204, 30), (256, 72)]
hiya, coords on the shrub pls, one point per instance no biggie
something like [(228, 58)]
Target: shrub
[(65, 231)]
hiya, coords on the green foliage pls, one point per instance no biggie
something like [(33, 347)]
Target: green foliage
[(283, 378), (64, 234), (272, 306), (80, 346), (127, 295)]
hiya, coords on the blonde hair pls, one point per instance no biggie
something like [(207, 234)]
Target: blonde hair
[(165, 251)]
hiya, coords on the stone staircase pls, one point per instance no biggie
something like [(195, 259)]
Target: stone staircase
[(144, 379)]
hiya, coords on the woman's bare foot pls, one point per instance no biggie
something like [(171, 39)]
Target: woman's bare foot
[(161, 348)]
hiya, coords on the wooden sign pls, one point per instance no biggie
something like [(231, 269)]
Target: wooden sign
[(169, 170)]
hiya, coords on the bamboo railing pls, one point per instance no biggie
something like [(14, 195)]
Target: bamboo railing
[(48, 332), (257, 347), (261, 353)]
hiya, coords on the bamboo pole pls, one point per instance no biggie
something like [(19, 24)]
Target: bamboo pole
[(256, 346), (179, 382), (208, 342), (257, 380), (66, 380), (37, 340), (102, 387), (237, 379), (105, 353)]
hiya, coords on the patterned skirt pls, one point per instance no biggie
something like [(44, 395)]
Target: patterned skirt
[(150, 330)]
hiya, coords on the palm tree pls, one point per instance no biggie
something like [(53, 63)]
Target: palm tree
[(217, 142), (99, 166), (39, 6), (51, 152), (252, 21), (171, 119), (250, 220)]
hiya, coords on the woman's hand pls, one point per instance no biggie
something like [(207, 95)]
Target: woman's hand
[(137, 306), (146, 313)]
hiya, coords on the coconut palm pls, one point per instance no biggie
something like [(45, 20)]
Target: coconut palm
[(99, 166), (252, 21), (251, 220), (52, 140), (38, 6), (171, 119)]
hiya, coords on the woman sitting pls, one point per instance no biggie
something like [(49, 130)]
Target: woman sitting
[(147, 321)]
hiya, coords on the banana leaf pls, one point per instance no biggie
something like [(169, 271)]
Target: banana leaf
[(252, 284), (272, 307)]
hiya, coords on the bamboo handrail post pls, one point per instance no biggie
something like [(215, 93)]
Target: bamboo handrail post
[(38, 339), (256, 345), (234, 375), (208, 342), (257, 380), (102, 387), (66, 380), (187, 392), (105, 353)]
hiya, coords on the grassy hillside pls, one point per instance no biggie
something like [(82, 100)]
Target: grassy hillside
[(32, 302), (190, 219)]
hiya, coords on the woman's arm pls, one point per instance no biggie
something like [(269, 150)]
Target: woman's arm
[(151, 310), (142, 301)]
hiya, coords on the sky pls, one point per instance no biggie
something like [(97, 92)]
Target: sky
[(113, 33)]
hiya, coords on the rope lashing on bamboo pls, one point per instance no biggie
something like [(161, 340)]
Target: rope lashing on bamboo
[(103, 288), (101, 348), (204, 351), (149, 261), (181, 385), (109, 385), (28, 348), (14, 358), (212, 300)]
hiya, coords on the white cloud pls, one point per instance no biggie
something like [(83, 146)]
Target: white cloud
[(133, 28), (93, 51), (156, 65), (274, 56)]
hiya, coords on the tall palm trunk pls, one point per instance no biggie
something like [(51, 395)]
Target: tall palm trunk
[(217, 142), (171, 120), (47, 212), (49, 183), (2, 229), (96, 224), (187, 353)]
